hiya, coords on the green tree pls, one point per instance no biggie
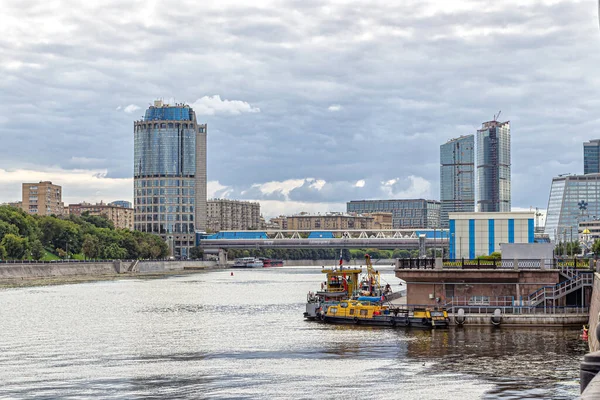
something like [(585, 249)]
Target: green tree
[(37, 250), (61, 253), (196, 253), (114, 252), (7, 228), (3, 255), (91, 246), (15, 246)]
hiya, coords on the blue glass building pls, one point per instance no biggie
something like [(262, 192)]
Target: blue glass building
[(457, 177), (564, 205), (493, 167), (591, 157), (170, 175)]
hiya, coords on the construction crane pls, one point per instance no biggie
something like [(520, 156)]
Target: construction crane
[(496, 116)]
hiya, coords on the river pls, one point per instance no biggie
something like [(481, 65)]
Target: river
[(216, 336)]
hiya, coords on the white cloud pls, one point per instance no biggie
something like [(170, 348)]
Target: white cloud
[(211, 105), (78, 185), (131, 108), (418, 188), (334, 107), (360, 183)]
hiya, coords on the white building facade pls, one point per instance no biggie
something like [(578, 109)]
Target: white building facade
[(476, 234)]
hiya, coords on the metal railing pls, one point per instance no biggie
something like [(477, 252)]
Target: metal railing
[(520, 264), (506, 305), (579, 280)]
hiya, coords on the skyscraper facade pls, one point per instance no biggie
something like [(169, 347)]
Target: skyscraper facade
[(591, 157), (170, 175), (573, 199), (406, 213), (493, 167), (457, 177)]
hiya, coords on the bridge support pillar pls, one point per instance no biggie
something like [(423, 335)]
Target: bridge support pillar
[(222, 258), (422, 249)]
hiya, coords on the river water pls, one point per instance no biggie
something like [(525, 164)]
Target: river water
[(213, 335)]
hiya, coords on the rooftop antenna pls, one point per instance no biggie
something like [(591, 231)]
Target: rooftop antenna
[(496, 116)]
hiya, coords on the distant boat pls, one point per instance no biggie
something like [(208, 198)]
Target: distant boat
[(247, 262), (267, 262)]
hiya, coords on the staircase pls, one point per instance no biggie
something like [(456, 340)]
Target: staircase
[(576, 280), (134, 266)]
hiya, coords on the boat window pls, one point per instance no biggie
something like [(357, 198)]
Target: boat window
[(352, 311), (333, 310), (344, 305), (364, 313)]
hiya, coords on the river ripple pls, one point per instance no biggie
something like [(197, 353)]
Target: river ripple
[(212, 335)]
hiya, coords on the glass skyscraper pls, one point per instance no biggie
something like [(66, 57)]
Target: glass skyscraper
[(573, 199), (493, 167), (591, 157), (457, 177), (170, 175)]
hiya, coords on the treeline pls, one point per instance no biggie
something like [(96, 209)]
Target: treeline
[(23, 236), (324, 254)]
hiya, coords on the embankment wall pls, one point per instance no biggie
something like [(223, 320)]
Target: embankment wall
[(21, 271), (58, 269), (594, 310)]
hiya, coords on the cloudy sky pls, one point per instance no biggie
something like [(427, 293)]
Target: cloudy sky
[(308, 103)]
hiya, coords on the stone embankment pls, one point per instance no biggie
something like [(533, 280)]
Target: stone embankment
[(78, 271), (594, 311)]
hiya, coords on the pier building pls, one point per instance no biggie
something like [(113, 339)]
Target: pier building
[(170, 175), (476, 234)]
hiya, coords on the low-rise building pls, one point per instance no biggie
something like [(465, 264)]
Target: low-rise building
[(333, 221), (121, 217), (381, 220), (228, 215), (42, 198), (279, 223), (474, 234)]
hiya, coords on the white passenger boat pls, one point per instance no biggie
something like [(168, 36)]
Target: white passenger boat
[(247, 262)]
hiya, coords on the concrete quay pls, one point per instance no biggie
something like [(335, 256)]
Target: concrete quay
[(44, 273)]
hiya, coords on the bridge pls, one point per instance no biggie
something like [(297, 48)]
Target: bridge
[(406, 239)]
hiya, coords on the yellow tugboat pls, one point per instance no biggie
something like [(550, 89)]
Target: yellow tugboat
[(362, 312), (343, 283)]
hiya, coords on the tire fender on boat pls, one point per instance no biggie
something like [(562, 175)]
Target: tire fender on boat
[(424, 321), (356, 320), (393, 322)]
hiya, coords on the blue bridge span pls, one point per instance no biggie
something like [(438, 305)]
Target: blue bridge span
[(408, 239)]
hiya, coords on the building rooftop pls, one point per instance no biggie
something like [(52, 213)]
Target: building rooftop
[(166, 112)]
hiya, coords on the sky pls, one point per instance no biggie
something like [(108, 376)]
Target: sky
[(309, 104)]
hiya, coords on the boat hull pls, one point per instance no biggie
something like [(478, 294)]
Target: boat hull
[(387, 321)]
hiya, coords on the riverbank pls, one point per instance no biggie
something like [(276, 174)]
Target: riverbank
[(42, 274)]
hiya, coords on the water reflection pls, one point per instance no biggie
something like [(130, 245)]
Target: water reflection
[(246, 338)]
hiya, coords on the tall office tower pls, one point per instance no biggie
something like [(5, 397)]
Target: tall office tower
[(493, 167), (457, 177), (591, 157), (170, 175)]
